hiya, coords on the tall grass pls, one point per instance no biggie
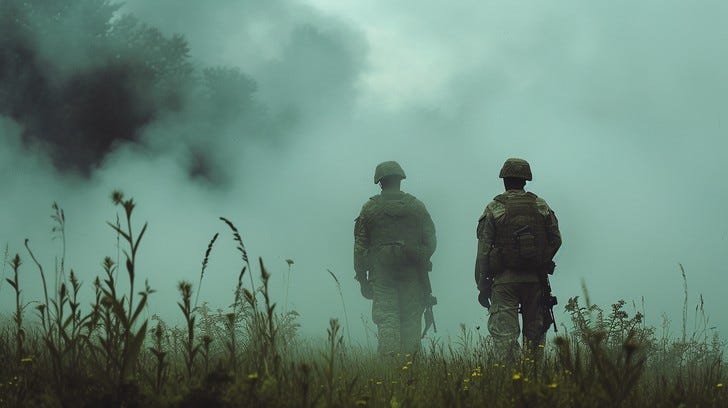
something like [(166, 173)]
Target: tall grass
[(250, 354)]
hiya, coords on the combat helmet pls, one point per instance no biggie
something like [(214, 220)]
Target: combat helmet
[(388, 168), (516, 168)]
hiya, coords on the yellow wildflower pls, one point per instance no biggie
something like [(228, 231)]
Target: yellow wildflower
[(553, 385), (516, 376), (253, 376), (719, 385)]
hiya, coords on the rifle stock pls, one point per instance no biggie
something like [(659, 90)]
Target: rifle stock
[(548, 300), (429, 300), (429, 315)]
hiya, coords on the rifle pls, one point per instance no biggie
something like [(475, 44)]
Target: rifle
[(429, 300), (548, 300), (429, 316)]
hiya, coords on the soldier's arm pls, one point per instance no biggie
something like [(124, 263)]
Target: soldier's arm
[(429, 239), (553, 234), (485, 233), (361, 245)]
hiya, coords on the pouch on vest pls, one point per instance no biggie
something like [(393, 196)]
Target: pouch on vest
[(528, 250)]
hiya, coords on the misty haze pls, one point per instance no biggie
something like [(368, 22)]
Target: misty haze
[(273, 114)]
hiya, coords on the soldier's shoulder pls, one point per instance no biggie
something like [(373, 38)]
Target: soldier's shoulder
[(412, 200), (369, 204), (543, 206), (495, 208), (408, 196)]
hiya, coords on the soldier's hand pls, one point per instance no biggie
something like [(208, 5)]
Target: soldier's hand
[(366, 289), (484, 300), (485, 286)]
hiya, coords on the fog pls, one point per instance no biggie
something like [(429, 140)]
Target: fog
[(619, 107)]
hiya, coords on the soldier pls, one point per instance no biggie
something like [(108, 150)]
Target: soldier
[(518, 236), (394, 238)]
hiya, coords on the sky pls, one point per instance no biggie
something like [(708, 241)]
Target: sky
[(619, 107)]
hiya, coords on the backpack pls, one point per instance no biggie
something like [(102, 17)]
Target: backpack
[(521, 233)]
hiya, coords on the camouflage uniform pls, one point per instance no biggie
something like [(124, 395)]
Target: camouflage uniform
[(514, 285), (394, 238)]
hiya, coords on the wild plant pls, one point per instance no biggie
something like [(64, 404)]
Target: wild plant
[(64, 339), (111, 338), (204, 266), (231, 343), (205, 351), (130, 255), (59, 231), (231, 319), (190, 349), (343, 304), (287, 330), (161, 364), (19, 308), (607, 372), (290, 263), (246, 266), (262, 326), (62, 334), (6, 262), (335, 342), (46, 303), (211, 325), (121, 342)]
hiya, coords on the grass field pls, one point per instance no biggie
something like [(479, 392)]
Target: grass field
[(62, 354)]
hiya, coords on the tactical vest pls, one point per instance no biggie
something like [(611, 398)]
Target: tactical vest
[(393, 222), (521, 233)]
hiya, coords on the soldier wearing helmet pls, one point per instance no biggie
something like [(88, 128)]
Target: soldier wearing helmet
[(518, 236), (394, 238)]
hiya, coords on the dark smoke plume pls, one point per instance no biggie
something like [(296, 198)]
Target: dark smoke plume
[(81, 82)]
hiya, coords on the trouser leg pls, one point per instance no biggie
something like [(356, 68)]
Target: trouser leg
[(385, 314), (533, 324), (411, 309), (503, 321)]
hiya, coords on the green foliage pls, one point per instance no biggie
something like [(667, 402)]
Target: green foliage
[(250, 354)]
